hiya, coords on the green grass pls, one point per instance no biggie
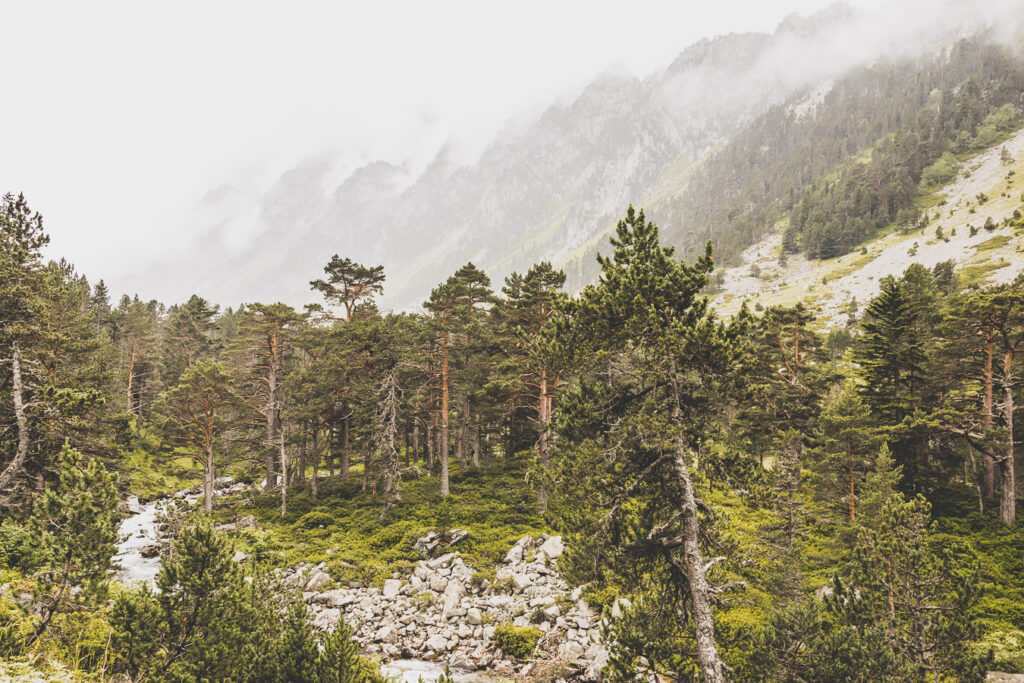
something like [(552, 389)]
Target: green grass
[(976, 274), (343, 528), (997, 242)]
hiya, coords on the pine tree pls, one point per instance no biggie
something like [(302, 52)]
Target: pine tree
[(891, 353), (75, 522), (194, 415), (645, 314), (348, 283)]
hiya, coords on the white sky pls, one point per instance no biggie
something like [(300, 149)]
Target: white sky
[(118, 116)]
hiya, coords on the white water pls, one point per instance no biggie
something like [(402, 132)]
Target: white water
[(138, 531)]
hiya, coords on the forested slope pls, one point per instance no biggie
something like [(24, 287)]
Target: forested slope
[(747, 497)]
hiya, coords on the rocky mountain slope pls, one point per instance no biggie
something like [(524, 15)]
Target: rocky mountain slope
[(988, 190), (549, 190)]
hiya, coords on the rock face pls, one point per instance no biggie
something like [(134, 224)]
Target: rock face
[(438, 613)]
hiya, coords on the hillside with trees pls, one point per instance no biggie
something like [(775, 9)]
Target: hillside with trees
[(741, 498)]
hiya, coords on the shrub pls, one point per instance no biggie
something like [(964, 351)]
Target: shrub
[(517, 641), (314, 520)]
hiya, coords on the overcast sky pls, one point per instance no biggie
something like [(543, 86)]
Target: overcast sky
[(119, 116)]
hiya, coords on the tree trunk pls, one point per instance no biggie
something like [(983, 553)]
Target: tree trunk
[(271, 412), (703, 619), (344, 448), (430, 447), (284, 473), (415, 440), (330, 451), (700, 592), (208, 482), (131, 376), (1008, 483), (853, 499), (14, 468), (314, 483), (988, 482), (476, 447), (543, 436), (444, 417)]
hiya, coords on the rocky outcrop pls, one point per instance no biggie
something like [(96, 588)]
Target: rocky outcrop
[(441, 612)]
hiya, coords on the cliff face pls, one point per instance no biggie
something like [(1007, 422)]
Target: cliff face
[(549, 190)]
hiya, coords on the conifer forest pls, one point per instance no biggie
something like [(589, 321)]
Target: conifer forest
[(616, 465)]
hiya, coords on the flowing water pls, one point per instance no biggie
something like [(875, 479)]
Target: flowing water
[(141, 529)]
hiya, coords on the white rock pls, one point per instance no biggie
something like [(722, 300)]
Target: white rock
[(453, 595), (520, 582), (570, 650), (318, 581), (392, 587), (440, 561), (239, 556), (437, 643), (327, 620), (386, 634), (473, 616), (552, 611)]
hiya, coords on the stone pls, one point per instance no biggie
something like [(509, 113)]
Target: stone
[(437, 643), (239, 556), (327, 620), (514, 555), (248, 522), (520, 582), (453, 595), (318, 581), (438, 583), (570, 650), (473, 616), (441, 561), (392, 587), (552, 612), (386, 634), (620, 606)]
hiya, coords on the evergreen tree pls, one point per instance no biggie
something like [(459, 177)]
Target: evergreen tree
[(646, 315), (194, 415), (75, 523), (891, 353), (348, 283)]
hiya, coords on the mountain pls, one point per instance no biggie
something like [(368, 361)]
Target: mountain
[(551, 189)]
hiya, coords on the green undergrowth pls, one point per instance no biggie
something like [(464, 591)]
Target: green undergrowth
[(342, 527), (150, 472)]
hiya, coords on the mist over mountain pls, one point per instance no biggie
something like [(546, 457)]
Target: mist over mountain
[(549, 189)]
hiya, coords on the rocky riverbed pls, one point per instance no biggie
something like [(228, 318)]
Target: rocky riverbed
[(435, 616), (438, 614)]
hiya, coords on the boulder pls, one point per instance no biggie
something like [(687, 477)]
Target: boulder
[(239, 556), (473, 616), (437, 643), (453, 595), (392, 587), (520, 582), (327, 620), (386, 634), (552, 547), (570, 650), (318, 581), (441, 561)]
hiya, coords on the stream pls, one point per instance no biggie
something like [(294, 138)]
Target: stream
[(140, 530)]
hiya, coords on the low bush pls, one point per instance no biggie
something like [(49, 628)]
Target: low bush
[(517, 641)]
